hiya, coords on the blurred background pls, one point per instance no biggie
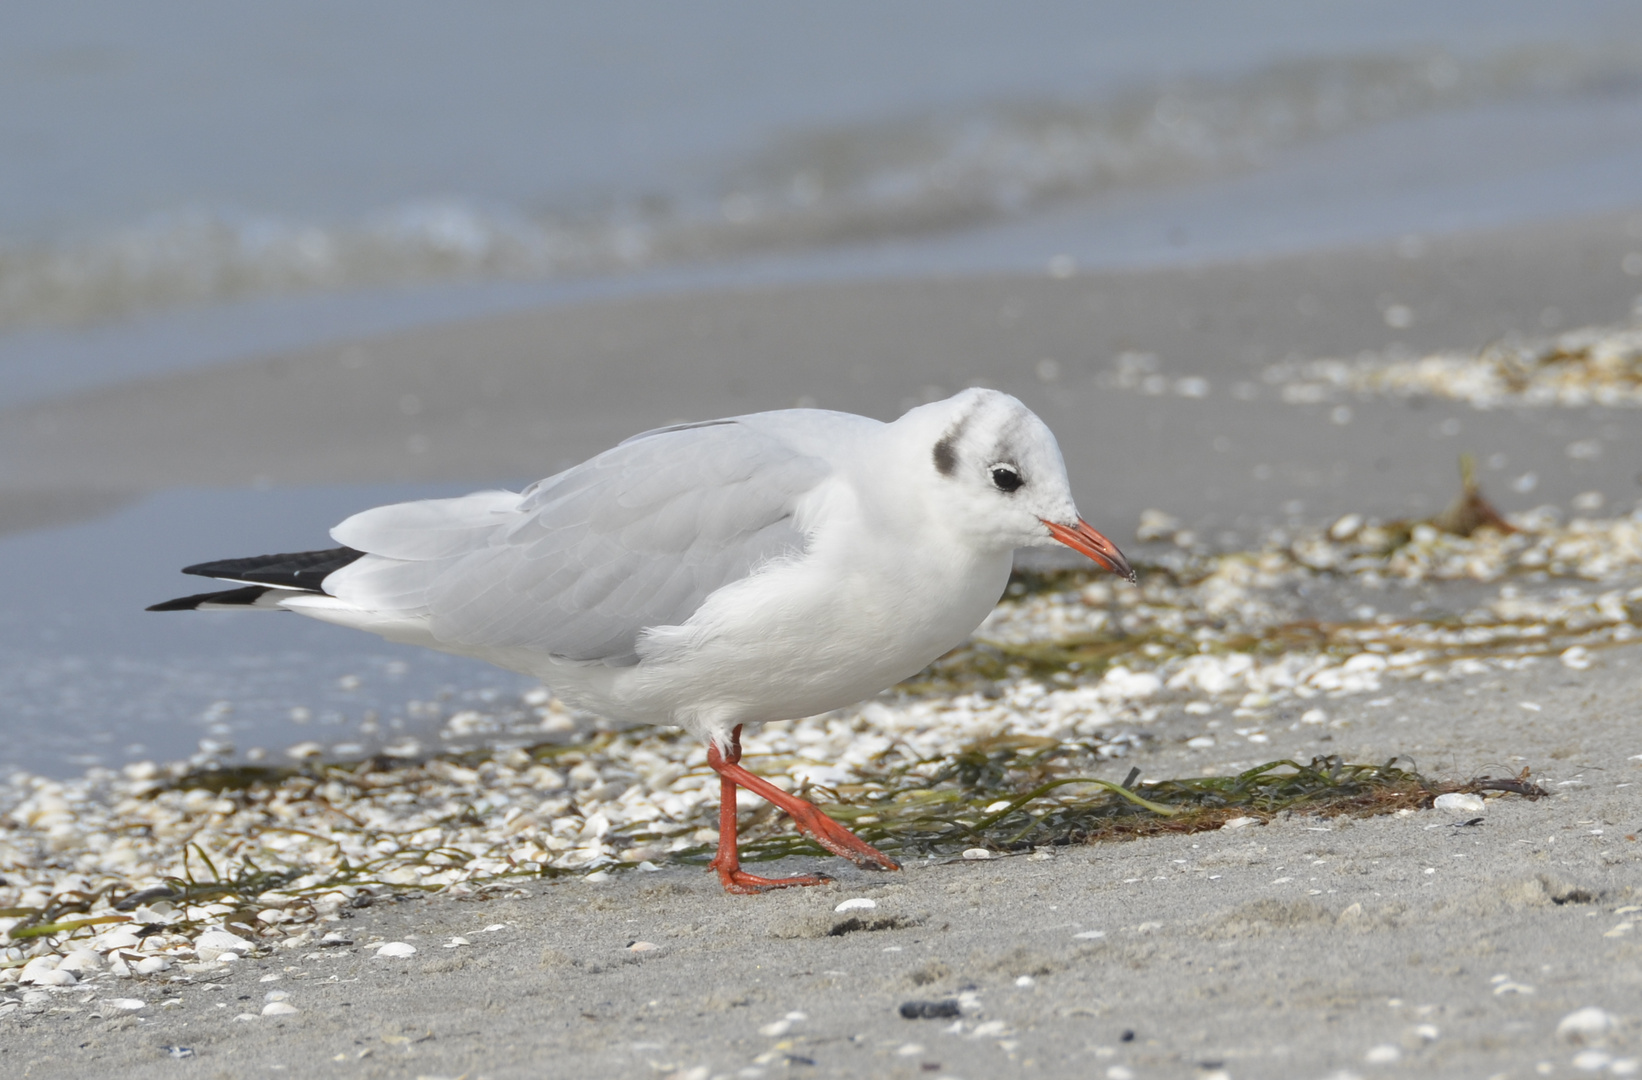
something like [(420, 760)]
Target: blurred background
[(185, 186), (174, 169)]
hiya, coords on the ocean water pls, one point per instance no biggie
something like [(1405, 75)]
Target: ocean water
[(183, 186), (165, 156)]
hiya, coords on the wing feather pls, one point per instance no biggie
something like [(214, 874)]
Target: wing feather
[(581, 563)]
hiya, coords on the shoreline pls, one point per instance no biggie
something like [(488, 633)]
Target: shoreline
[(521, 394), (1427, 941)]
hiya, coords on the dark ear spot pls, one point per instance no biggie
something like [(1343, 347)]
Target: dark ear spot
[(946, 458)]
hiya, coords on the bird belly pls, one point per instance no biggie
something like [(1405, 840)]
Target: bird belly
[(793, 641)]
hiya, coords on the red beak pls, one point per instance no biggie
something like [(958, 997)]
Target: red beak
[(1084, 539)]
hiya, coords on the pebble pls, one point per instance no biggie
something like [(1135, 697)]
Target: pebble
[(977, 853), (1456, 802), (1384, 1054), (393, 949), (1589, 1026), (862, 903), (1591, 1060), (931, 1010)]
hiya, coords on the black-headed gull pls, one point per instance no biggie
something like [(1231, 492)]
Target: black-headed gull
[(711, 575)]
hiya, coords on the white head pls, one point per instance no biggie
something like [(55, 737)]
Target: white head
[(999, 476)]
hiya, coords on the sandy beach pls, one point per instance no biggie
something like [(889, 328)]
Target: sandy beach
[(1427, 943)]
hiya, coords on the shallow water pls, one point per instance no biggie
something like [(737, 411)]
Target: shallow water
[(90, 678), (162, 156)]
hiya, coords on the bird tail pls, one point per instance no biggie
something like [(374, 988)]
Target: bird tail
[(262, 580)]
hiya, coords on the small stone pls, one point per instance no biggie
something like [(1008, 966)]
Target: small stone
[(1459, 803), (1589, 1026), (1591, 1060), (776, 1029), (1384, 1054), (1200, 742), (279, 1008), (930, 1010), (977, 853), (859, 903), (1026, 982), (394, 949)]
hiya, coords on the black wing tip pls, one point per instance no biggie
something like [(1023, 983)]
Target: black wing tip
[(245, 597), (294, 569)]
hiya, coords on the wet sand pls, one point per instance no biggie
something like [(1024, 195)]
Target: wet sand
[(514, 397), (1412, 945)]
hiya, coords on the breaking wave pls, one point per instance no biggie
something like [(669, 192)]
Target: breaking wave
[(934, 172)]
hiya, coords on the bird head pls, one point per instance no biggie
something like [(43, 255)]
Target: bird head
[(999, 476)]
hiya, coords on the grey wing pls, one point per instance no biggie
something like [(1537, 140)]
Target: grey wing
[(581, 563)]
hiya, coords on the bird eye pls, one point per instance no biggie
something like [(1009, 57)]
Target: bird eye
[(1006, 477)]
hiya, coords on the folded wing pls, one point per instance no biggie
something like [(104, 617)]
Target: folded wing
[(580, 564)]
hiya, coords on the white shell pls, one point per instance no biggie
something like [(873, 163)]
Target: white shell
[(1457, 803), (54, 977), (396, 948), (859, 903), (222, 941)]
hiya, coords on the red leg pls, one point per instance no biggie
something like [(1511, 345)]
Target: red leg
[(809, 820)]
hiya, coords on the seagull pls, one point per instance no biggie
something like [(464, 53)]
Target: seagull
[(711, 575)]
